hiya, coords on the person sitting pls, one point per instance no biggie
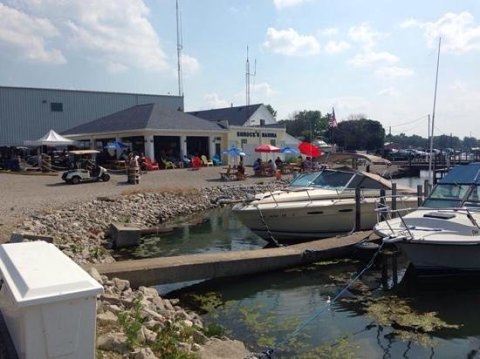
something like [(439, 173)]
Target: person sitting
[(257, 167), (278, 162), (272, 168), (241, 171), (307, 164)]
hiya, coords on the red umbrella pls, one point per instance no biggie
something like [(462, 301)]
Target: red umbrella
[(267, 148), (309, 149)]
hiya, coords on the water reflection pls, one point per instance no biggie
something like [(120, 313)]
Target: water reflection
[(283, 300), (218, 231)]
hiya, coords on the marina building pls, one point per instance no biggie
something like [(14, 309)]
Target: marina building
[(153, 124), (28, 113)]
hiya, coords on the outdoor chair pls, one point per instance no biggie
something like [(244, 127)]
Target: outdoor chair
[(149, 165), (206, 162), (168, 164)]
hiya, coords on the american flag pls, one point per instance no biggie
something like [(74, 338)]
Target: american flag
[(332, 122)]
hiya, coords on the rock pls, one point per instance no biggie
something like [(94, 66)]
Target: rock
[(115, 342), (107, 317), (121, 284), (95, 275), (148, 292), (220, 349), (143, 353)]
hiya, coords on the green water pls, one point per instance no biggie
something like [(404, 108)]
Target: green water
[(289, 311)]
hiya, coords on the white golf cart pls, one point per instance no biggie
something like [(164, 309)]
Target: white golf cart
[(84, 168)]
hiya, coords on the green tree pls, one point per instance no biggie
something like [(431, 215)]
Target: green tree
[(271, 110), (306, 124), (359, 134)]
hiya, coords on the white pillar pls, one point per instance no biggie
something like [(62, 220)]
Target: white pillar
[(211, 145), (149, 147), (183, 146), (92, 143)]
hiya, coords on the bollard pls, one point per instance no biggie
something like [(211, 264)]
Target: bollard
[(394, 200), (419, 195), (358, 217)]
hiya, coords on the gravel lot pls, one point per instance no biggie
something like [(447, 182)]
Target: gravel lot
[(22, 195)]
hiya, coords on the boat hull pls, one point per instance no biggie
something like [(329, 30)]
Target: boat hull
[(291, 223), (428, 258)]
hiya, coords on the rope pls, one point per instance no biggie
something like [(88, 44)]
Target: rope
[(270, 234), (325, 306)]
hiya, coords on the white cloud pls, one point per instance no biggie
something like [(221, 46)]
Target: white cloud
[(190, 65), (282, 4), (114, 33), (329, 31), (390, 72), (28, 36), (213, 101), (365, 36), (458, 31), (335, 47), (369, 58), (289, 42), (262, 90), (390, 91)]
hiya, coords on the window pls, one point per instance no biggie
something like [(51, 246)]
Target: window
[(56, 107), (243, 141)]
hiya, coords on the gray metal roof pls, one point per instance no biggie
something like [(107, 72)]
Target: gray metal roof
[(236, 116), (149, 116)]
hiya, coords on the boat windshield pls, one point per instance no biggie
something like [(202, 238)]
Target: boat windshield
[(324, 179), (450, 195)]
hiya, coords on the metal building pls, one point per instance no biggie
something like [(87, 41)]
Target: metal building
[(28, 113)]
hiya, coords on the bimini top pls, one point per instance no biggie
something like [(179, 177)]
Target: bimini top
[(463, 174)]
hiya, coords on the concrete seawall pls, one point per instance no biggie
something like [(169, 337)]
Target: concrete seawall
[(163, 270)]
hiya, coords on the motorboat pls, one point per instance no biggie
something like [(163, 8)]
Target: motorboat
[(321, 203), (443, 235)]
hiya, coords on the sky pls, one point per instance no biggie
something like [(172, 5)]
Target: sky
[(376, 58)]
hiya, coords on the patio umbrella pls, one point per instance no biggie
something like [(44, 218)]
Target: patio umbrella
[(115, 145), (266, 148), (234, 152), (308, 149), (289, 151)]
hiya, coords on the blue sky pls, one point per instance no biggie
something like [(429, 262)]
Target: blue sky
[(370, 57)]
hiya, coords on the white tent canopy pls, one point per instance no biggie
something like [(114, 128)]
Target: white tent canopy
[(51, 138)]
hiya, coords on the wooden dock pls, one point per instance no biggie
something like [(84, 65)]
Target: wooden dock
[(163, 270)]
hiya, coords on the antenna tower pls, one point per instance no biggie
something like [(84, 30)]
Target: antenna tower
[(247, 78), (179, 51)]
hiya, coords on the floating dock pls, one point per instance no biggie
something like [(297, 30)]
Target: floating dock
[(162, 270)]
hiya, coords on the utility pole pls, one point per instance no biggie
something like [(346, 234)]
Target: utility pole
[(179, 51)]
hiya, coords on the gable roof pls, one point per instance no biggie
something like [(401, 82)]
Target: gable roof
[(236, 116), (140, 117)]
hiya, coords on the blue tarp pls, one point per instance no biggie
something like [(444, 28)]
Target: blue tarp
[(463, 174)]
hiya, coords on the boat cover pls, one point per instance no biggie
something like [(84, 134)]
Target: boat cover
[(463, 174)]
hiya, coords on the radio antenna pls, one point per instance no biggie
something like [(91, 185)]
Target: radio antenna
[(179, 51)]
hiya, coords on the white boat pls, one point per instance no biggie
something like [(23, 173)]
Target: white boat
[(443, 235), (319, 204)]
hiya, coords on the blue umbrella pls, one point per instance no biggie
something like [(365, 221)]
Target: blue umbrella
[(289, 150), (234, 152), (116, 145)]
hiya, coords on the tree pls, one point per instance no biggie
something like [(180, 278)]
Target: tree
[(359, 134), (306, 124), (271, 110)]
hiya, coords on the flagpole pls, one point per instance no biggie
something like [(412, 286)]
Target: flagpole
[(430, 175)]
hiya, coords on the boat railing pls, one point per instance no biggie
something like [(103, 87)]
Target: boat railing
[(386, 214)]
